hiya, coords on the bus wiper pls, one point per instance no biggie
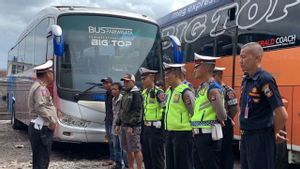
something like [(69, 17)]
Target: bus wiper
[(82, 93)]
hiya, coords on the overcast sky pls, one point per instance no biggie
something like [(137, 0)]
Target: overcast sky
[(16, 14)]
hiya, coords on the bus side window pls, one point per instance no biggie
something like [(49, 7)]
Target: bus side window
[(41, 42), (50, 41), (49, 47)]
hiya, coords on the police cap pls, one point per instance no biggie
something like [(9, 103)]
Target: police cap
[(44, 67), (173, 66), (205, 59), (144, 71), (219, 69)]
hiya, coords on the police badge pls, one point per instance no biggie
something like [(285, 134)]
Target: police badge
[(176, 98)]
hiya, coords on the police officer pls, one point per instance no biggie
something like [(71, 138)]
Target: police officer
[(259, 99), (153, 141), (41, 128), (179, 108), (209, 114), (227, 158)]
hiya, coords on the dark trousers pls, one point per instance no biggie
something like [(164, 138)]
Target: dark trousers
[(41, 142), (208, 151), (258, 149), (226, 154), (196, 162), (179, 150), (108, 129), (153, 148)]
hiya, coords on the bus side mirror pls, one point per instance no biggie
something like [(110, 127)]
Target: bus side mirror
[(177, 52), (58, 40)]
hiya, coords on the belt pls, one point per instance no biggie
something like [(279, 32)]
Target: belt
[(152, 123), (204, 123), (43, 127), (34, 123), (256, 131), (197, 131)]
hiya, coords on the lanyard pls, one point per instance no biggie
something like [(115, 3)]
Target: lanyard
[(246, 113)]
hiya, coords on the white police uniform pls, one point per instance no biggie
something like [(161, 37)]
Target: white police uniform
[(40, 103)]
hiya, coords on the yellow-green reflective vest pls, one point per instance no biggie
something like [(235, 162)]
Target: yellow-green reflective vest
[(204, 114), (152, 108), (177, 117)]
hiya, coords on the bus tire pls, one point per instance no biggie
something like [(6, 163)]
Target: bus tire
[(282, 156), (16, 124)]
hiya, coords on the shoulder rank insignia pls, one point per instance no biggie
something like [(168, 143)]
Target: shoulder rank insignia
[(161, 96)]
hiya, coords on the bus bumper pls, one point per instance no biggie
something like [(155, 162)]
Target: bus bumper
[(94, 133)]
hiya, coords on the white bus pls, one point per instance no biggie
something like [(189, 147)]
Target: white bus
[(86, 45)]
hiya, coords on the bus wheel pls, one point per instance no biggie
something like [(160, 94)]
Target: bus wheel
[(16, 124)]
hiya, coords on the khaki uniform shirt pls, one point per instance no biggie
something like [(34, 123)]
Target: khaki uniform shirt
[(40, 102)]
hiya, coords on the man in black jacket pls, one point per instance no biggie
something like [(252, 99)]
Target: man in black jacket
[(107, 83)]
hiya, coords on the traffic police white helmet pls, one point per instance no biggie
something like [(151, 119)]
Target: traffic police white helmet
[(205, 59), (169, 65), (221, 69), (144, 71), (44, 67)]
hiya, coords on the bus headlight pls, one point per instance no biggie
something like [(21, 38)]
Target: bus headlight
[(71, 120)]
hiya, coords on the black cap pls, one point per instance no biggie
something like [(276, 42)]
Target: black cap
[(107, 79)]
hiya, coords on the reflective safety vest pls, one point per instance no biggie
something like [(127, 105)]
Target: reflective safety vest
[(177, 117), (204, 114), (152, 108)]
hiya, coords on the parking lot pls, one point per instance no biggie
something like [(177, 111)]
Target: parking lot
[(16, 152)]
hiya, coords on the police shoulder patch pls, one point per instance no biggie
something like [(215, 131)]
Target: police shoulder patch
[(161, 97), (230, 94), (267, 91), (212, 96), (187, 100)]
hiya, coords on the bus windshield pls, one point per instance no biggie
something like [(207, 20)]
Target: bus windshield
[(99, 46)]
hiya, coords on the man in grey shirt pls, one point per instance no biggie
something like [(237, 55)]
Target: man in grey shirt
[(120, 155)]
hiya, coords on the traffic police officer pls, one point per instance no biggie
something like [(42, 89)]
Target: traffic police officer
[(40, 104), (179, 108), (153, 141), (209, 114), (260, 99), (227, 158)]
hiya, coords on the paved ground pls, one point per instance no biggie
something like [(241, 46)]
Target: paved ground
[(16, 152)]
